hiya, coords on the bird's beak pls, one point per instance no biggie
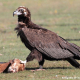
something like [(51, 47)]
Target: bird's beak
[(16, 13)]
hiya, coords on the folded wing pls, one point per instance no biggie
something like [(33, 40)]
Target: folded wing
[(50, 44)]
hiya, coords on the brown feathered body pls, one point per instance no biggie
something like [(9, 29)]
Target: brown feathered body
[(43, 43)]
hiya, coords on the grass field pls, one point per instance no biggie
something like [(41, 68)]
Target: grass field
[(60, 16)]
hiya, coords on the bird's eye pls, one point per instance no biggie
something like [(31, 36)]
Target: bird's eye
[(20, 10)]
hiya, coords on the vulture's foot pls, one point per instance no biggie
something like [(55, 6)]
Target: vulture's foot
[(37, 70), (40, 69)]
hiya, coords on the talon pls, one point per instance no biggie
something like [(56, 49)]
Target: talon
[(40, 69)]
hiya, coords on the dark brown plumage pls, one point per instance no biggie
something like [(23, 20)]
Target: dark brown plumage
[(43, 43)]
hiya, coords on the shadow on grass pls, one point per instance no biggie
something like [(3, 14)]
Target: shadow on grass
[(68, 24), (73, 39), (50, 68), (61, 25)]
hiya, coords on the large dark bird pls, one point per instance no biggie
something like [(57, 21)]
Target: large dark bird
[(43, 43)]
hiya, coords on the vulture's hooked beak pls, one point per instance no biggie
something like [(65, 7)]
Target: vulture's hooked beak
[(16, 13)]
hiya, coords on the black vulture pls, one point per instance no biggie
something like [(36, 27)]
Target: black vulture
[(44, 44)]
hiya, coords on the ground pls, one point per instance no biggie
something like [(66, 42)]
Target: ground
[(60, 16)]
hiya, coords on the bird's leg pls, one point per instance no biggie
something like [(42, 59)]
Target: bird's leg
[(41, 66), (30, 57), (36, 55)]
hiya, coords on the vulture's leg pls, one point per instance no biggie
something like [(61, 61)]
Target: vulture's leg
[(73, 62), (30, 57), (36, 55), (41, 64)]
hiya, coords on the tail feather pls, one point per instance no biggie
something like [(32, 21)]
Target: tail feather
[(77, 55), (73, 62), (75, 46)]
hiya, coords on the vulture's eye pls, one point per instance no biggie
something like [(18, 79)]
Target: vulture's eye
[(21, 10)]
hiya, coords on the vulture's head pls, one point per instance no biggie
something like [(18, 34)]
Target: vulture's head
[(23, 14)]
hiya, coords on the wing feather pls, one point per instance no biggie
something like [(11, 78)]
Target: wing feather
[(50, 44)]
